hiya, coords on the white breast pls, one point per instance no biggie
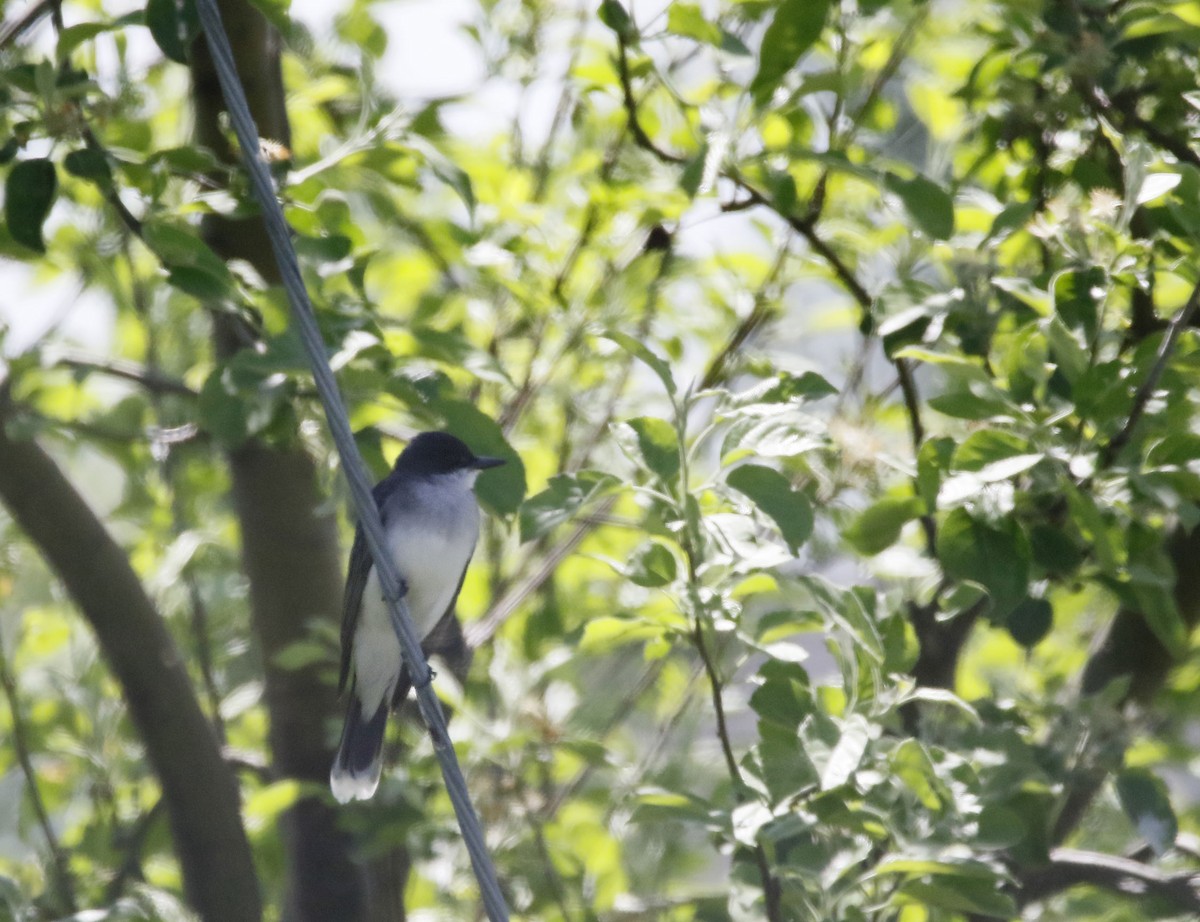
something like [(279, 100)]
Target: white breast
[(431, 546)]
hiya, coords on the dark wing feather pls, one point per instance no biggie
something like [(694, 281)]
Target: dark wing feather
[(356, 577), (356, 581)]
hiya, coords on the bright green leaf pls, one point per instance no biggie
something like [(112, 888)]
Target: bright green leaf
[(796, 25), (878, 527)]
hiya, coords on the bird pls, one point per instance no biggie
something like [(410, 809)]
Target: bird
[(431, 522)]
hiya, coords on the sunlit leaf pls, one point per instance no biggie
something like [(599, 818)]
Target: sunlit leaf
[(771, 492), (794, 28)]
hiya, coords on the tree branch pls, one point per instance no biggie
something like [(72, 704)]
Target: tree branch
[(1179, 323), (631, 108), (18, 27), (201, 796), (1071, 867), (151, 379)]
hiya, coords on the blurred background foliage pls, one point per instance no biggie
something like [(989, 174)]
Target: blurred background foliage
[(844, 351)]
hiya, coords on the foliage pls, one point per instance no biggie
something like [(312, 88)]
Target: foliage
[(847, 351)]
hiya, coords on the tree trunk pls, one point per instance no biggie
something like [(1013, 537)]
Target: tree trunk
[(290, 549), (199, 789)]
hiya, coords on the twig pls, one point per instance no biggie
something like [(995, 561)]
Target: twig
[(631, 109), (153, 380), (481, 631), (541, 169), (758, 315), (1141, 398), (131, 865), (770, 884), (60, 862)]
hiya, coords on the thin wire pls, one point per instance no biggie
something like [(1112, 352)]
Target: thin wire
[(352, 463)]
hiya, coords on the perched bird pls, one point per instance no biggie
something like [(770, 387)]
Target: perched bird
[(431, 522)]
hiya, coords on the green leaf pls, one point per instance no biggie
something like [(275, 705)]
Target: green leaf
[(72, 37), (1054, 551), (1012, 218), (995, 557), (501, 489), (797, 24), (224, 414), (927, 202), (1030, 621), (687, 20), (276, 12), (174, 26), (28, 195), (786, 767), (643, 353), (986, 446), (999, 827), (1072, 358), (933, 460), (607, 633), (785, 387), (1145, 801), (878, 527), (847, 754), (911, 764), (300, 654), (1077, 297), (771, 492), (966, 404), (657, 443), (783, 697), (652, 565), (613, 15), (198, 283), (191, 265), (1026, 292), (562, 499), (89, 163), (655, 805), (178, 246), (946, 891), (447, 171)]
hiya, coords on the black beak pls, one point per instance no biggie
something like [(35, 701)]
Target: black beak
[(482, 464)]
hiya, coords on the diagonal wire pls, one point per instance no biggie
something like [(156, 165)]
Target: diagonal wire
[(352, 463)]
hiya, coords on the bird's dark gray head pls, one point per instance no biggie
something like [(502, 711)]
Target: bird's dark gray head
[(441, 453)]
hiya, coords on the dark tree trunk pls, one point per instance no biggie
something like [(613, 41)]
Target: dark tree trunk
[(199, 789), (289, 540)]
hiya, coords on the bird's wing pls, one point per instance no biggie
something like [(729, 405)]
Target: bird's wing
[(356, 578)]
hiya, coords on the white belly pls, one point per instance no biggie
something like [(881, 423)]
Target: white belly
[(431, 563)]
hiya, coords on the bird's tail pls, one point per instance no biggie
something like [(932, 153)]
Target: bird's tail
[(355, 772)]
